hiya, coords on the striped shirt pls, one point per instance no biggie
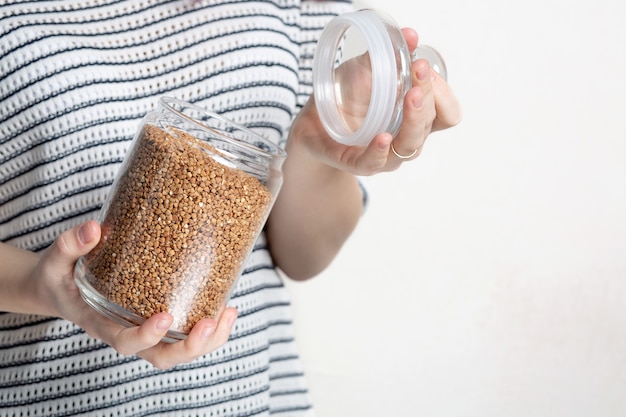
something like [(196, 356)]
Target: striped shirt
[(76, 77)]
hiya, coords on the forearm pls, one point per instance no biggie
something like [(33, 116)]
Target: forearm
[(16, 266), (316, 211)]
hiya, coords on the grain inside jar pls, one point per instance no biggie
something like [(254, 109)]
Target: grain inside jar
[(178, 230)]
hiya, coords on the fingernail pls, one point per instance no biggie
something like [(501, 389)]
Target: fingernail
[(163, 324), (383, 144), (423, 71), (85, 234), (418, 102)]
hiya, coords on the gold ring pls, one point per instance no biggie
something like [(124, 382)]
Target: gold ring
[(402, 156)]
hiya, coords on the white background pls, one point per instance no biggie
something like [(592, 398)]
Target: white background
[(488, 277)]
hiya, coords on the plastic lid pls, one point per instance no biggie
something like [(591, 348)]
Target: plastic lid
[(433, 57), (334, 86)]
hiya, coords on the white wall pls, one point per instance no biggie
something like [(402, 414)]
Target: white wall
[(488, 278)]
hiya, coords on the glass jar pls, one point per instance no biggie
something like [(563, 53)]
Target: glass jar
[(361, 73), (192, 195)]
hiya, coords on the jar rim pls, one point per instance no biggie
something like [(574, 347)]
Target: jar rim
[(261, 145), (384, 40)]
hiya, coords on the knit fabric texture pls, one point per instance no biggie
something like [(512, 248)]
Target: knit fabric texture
[(76, 78)]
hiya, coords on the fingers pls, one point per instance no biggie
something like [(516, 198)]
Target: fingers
[(206, 336), (71, 245), (419, 112), (131, 340), (146, 341), (411, 37), (447, 106), (429, 106)]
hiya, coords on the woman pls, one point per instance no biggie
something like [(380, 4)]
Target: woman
[(77, 77)]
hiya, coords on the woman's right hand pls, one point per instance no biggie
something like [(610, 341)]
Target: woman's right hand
[(52, 290)]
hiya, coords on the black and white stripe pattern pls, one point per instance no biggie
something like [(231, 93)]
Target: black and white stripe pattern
[(76, 77)]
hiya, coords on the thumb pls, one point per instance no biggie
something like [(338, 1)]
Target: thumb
[(72, 244)]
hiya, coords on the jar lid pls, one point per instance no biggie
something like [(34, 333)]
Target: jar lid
[(433, 57), (377, 80)]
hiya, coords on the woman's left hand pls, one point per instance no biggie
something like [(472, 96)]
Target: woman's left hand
[(429, 106)]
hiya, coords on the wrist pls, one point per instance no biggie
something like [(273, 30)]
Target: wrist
[(17, 294)]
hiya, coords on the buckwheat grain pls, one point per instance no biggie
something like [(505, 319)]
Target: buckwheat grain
[(178, 230)]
